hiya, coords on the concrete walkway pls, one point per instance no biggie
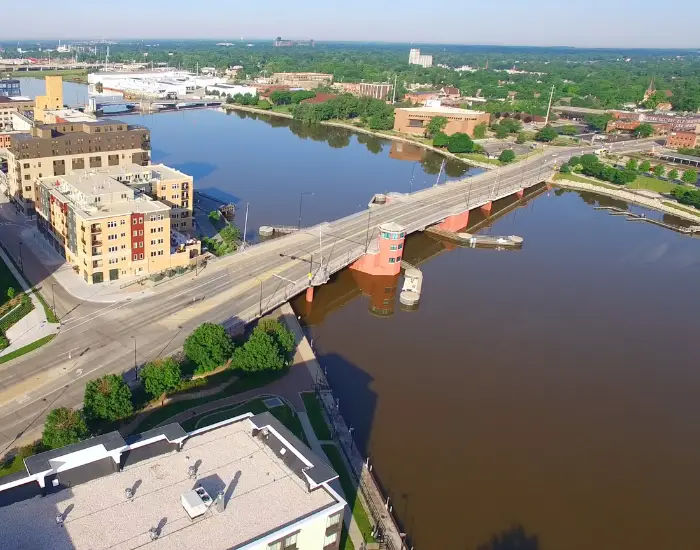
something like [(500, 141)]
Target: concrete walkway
[(32, 326)]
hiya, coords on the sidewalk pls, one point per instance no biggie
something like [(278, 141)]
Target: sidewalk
[(34, 325)]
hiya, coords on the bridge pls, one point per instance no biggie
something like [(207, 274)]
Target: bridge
[(97, 103), (96, 338)]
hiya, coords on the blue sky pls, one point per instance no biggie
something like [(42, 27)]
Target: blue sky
[(582, 23)]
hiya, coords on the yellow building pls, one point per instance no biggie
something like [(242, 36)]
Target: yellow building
[(109, 230), (52, 100)]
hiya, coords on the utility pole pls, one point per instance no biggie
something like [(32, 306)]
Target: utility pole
[(546, 120)]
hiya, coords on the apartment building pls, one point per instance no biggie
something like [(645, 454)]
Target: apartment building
[(246, 483), (416, 58), (60, 149), (107, 229), (162, 183), (10, 106), (415, 120), (302, 80)]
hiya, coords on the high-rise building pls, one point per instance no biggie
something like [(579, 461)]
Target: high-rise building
[(52, 100), (59, 149), (416, 58)]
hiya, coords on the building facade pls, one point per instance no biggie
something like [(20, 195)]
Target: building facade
[(679, 140), (52, 100), (10, 106), (60, 149), (376, 90), (415, 120), (246, 483), (416, 58), (9, 87), (302, 80), (106, 229)]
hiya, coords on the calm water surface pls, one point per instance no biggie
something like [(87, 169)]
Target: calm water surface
[(541, 398)]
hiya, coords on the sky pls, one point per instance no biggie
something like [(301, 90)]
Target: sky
[(577, 23)]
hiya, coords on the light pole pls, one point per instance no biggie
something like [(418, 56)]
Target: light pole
[(136, 370), (301, 198), (245, 225), (21, 263), (53, 297)]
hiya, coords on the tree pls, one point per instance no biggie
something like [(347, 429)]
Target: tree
[(436, 124), (214, 216), (598, 122), (506, 156), (673, 174), (645, 166), (62, 427), (631, 164), (281, 97), (209, 346), (460, 143), (264, 104), (659, 170), (522, 138), (568, 130), (440, 140), (480, 131), (546, 134), (11, 292), (107, 398), (300, 95), (161, 376), (644, 130), (281, 334), (259, 353), (565, 169), (690, 176)]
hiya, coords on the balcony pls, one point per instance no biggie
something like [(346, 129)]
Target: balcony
[(97, 252), (96, 263), (96, 228), (96, 242)]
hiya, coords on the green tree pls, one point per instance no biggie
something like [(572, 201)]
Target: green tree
[(522, 138), (659, 170), (264, 104), (300, 95), (506, 156), (209, 346), (673, 174), (62, 427), (460, 143), (161, 376), (281, 97), (440, 140), (282, 335), (690, 176), (480, 131), (565, 169), (645, 166), (107, 398), (259, 353), (546, 134), (214, 216), (598, 122), (436, 124), (631, 164), (569, 130), (11, 292), (644, 130)]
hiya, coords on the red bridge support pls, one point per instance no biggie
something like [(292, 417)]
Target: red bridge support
[(486, 208), (520, 193), (454, 222), (310, 294)]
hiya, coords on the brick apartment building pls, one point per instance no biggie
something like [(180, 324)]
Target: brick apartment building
[(108, 229), (59, 149), (679, 140), (414, 120)]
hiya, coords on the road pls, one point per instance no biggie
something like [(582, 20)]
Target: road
[(96, 339)]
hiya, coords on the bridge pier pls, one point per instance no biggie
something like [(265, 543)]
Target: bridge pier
[(384, 256), (454, 222), (520, 193), (310, 294), (486, 208)]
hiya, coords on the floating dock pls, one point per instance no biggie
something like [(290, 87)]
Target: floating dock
[(482, 241), (631, 216)]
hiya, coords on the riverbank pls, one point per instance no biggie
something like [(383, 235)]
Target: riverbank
[(359, 129), (78, 76), (655, 203)]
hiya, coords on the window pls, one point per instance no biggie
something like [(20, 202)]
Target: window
[(112, 249), (175, 186), (135, 233), (136, 257), (122, 222), (112, 237), (136, 245), (330, 539), (415, 123), (398, 258), (123, 234), (153, 253), (160, 253), (392, 247), (392, 260), (400, 246), (140, 256), (112, 224)]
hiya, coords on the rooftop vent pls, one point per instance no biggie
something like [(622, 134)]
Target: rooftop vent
[(196, 502)]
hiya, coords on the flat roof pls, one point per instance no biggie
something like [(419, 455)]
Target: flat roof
[(165, 172), (262, 495), (441, 109), (672, 154)]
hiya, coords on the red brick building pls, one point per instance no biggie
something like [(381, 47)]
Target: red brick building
[(679, 140)]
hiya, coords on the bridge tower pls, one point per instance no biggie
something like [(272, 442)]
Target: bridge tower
[(383, 256)]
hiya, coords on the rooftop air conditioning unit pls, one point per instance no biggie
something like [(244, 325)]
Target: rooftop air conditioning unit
[(196, 502)]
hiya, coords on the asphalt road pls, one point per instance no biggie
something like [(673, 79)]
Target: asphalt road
[(95, 339)]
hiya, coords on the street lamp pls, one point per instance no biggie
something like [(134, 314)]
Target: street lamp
[(136, 370), (301, 198)]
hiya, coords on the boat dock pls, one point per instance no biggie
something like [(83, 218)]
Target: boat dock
[(481, 241), (631, 216)]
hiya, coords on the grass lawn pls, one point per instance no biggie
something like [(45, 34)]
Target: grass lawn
[(580, 179), (27, 348), (688, 209), (652, 184), (480, 158), (315, 412), (16, 463), (6, 281), (50, 315), (345, 542), (350, 490)]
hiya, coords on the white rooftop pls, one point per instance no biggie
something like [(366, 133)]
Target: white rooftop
[(261, 495), (442, 109)]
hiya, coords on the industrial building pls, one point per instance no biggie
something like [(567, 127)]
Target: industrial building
[(231, 90), (246, 483), (156, 84), (59, 149), (416, 58), (680, 140), (414, 120), (107, 229), (52, 100)]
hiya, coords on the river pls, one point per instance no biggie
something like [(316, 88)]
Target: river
[(543, 398)]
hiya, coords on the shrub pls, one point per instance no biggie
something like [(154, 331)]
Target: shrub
[(440, 140), (546, 134), (259, 353), (460, 143), (11, 292), (506, 156)]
